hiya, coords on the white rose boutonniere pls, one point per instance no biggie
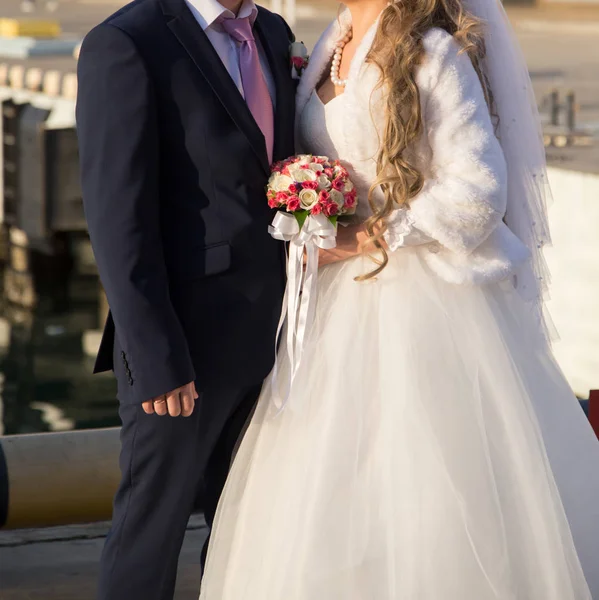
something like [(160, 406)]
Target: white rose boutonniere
[(299, 59)]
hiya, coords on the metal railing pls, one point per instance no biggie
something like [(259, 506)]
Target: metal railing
[(39, 487)]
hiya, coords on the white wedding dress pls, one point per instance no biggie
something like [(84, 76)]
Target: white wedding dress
[(430, 448)]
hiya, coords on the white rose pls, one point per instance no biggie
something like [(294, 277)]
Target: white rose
[(305, 175), (324, 183), (337, 198), (293, 171), (298, 49), (281, 183), (304, 159), (317, 167), (349, 186), (308, 198)]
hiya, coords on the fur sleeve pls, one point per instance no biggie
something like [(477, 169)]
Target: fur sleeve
[(465, 199)]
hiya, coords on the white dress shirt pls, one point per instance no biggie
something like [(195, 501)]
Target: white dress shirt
[(209, 14)]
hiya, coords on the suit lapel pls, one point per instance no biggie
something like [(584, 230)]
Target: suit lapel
[(205, 57), (280, 67)]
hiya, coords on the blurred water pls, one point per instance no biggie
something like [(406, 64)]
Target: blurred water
[(46, 381)]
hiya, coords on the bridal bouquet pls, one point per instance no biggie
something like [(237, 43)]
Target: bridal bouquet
[(311, 193), (311, 185)]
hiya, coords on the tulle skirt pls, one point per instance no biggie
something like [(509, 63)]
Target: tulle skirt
[(430, 449)]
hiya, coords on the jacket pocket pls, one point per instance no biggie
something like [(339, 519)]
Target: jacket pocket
[(205, 262)]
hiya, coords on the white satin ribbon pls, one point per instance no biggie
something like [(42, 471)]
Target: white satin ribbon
[(299, 302)]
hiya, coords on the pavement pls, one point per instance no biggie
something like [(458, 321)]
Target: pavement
[(61, 563)]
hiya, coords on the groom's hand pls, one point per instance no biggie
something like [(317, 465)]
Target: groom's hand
[(178, 403)]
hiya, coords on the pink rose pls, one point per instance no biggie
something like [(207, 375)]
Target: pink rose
[(329, 173), (338, 184), (294, 188), (298, 62), (272, 202), (316, 209), (310, 185), (350, 199), (324, 197), (282, 197), (293, 203), (331, 209)]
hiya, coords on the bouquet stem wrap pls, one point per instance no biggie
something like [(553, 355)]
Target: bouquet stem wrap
[(299, 302)]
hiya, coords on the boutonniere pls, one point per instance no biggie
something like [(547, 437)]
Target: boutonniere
[(299, 59)]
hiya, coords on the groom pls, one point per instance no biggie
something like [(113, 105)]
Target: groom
[(183, 105)]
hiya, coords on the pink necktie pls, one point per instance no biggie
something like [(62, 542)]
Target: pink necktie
[(255, 89)]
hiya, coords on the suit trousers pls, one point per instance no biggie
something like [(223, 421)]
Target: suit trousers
[(164, 462)]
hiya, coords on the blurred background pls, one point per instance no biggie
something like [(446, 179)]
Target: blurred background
[(52, 305)]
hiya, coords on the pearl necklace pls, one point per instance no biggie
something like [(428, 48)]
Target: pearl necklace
[(337, 81)]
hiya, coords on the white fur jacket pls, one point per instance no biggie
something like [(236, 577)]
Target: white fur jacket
[(457, 219)]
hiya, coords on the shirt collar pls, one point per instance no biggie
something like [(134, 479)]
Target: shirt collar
[(210, 12)]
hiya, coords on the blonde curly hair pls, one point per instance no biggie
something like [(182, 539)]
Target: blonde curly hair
[(397, 51)]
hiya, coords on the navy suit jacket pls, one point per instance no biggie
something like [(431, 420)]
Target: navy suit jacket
[(174, 170)]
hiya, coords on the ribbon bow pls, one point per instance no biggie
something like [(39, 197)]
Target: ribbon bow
[(302, 285)]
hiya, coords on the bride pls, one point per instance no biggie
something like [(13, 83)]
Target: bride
[(430, 448)]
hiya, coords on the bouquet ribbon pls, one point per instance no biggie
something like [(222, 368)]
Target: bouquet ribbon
[(299, 302)]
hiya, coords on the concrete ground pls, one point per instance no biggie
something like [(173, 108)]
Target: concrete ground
[(61, 563)]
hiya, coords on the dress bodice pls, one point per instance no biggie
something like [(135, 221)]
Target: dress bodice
[(321, 127), (322, 132)]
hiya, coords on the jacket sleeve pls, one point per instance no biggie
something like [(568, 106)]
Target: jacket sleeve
[(119, 155), (466, 197)]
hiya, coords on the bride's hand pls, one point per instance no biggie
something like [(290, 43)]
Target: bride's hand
[(351, 241)]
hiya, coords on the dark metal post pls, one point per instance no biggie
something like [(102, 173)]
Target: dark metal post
[(594, 410), (571, 111), (11, 114), (32, 210), (554, 107)]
